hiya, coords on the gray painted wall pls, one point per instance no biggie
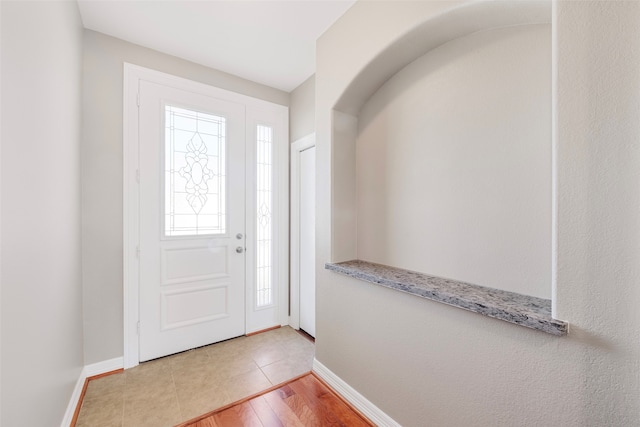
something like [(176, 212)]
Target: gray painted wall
[(41, 288), (425, 363), (454, 163), (302, 111), (102, 175)]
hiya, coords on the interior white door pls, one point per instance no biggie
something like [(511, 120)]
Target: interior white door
[(308, 241), (192, 219)]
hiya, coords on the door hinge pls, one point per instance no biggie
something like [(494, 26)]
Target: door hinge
[(138, 252), (138, 176)]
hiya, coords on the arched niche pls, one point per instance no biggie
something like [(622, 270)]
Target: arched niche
[(458, 22)]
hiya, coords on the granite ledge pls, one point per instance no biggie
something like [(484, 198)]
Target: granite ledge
[(528, 311)]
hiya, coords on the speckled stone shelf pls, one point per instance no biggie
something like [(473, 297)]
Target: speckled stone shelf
[(515, 308)]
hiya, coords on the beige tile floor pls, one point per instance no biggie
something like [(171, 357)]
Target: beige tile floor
[(167, 391)]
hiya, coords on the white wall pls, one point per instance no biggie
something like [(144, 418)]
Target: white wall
[(302, 117), (454, 163), (426, 363), (102, 270), (41, 287)]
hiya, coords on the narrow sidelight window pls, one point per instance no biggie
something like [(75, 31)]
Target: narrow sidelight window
[(264, 225)]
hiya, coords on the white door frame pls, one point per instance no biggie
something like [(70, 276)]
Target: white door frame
[(297, 147), (131, 287)]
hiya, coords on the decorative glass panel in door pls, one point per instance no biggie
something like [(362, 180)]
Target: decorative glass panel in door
[(195, 164)]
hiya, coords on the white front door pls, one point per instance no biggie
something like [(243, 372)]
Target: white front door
[(192, 220)]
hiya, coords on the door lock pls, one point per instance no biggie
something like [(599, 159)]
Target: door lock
[(239, 249)]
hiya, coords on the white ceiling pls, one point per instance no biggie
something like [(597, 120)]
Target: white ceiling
[(267, 41)]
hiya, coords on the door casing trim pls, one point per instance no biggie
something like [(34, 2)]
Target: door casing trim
[(130, 203), (297, 147)]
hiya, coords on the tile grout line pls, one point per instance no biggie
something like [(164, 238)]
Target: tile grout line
[(175, 392), (124, 398), (124, 401), (265, 375)]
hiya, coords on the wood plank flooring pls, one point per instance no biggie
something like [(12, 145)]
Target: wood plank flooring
[(303, 402)]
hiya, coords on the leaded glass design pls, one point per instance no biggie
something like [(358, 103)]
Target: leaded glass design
[(264, 165), (194, 173)]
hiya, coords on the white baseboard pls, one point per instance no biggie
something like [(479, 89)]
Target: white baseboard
[(104, 366), (361, 403), (75, 397), (88, 371)]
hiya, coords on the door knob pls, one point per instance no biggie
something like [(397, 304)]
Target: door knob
[(239, 249), (239, 236)]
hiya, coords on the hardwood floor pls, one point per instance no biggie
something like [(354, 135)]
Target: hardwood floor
[(303, 402)]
